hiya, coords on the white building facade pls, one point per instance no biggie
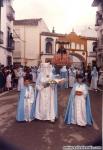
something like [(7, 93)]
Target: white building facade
[(91, 43), (7, 16), (48, 45), (99, 29), (27, 41), (34, 43)]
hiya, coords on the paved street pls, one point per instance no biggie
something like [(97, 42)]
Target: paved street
[(39, 135)]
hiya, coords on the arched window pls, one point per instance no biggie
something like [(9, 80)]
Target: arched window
[(49, 47)]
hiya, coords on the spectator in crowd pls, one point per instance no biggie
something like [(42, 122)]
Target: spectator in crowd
[(2, 81), (8, 80), (94, 80)]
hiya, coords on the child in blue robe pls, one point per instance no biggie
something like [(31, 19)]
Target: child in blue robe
[(26, 104), (78, 108)]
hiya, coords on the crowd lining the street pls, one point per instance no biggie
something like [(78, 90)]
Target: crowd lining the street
[(10, 75)]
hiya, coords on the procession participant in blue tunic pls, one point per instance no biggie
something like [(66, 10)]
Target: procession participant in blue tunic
[(94, 80), (21, 75), (72, 76), (26, 104), (34, 74), (53, 70), (64, 74), (79, 109), (45, 95)]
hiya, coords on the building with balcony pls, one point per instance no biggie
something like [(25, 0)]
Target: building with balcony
[(89, 31), (27, 41), (48, 46), (34, 43), (7, 15), (99, 29)]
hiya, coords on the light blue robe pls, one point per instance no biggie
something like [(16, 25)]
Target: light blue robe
[(21, 106), (69, 116), (94, 79), (64, 75)]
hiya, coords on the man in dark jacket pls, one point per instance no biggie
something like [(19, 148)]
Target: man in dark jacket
[(2, 81)]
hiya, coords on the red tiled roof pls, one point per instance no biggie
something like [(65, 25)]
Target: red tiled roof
[(88, 38), (64, 37), (27, 22), (52, 34)]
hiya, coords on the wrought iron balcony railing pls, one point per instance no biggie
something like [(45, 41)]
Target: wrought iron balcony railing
[(11, 45)]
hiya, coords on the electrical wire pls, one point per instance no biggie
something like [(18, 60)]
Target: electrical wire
[(17, 36)]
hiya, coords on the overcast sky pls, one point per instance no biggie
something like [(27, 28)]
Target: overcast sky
[(64, 15)]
